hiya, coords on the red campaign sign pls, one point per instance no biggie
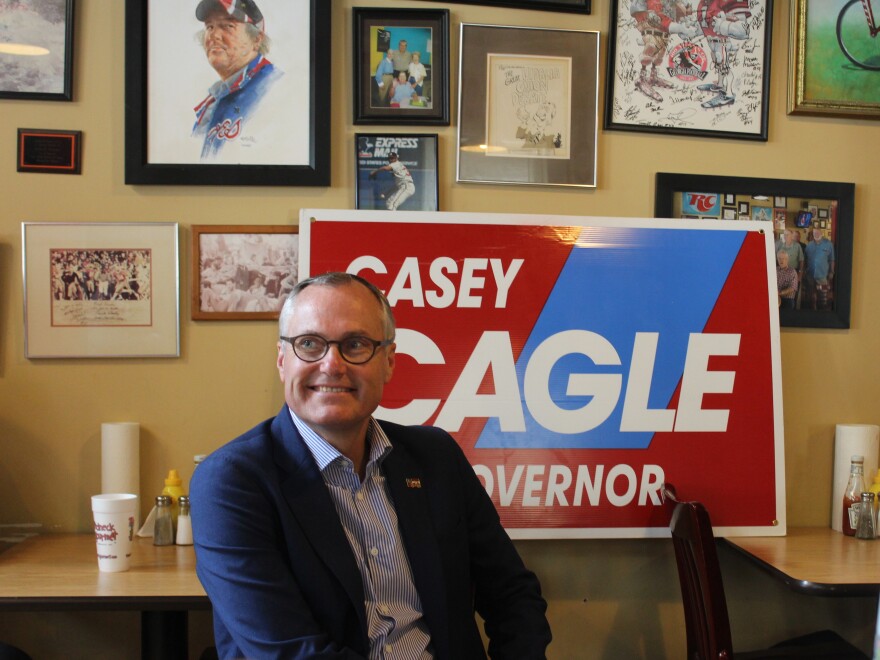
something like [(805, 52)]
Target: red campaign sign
[(582, 362)]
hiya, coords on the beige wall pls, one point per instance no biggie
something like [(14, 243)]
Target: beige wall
[(608, 599)]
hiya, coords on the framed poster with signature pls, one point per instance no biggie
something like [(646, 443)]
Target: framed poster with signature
[(701, 72)]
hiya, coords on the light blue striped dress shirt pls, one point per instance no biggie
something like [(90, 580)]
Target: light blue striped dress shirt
[(394, 610)]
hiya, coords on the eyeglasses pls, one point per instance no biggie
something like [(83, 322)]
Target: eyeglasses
[(354, 350)]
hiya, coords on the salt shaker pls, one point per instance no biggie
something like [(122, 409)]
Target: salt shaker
[(865, 528), (184, 522), (163, 532)]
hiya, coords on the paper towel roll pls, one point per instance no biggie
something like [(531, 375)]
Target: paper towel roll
[(850, 439), (120, 460)]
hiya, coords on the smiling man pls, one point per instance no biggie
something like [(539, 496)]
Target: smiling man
[(326, 533)]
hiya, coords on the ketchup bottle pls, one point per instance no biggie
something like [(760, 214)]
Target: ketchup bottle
[(852, 496)]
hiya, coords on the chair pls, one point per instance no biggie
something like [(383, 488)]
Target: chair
[(707, 623)]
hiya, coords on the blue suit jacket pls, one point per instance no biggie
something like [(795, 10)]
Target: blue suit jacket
[(275, 562)]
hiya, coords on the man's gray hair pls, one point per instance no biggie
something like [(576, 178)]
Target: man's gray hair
[(337, 279)]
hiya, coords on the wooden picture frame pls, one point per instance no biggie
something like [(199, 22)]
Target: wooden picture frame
[(273, 129), (44, 65), (543, 137), (242, 272), (381, 186), (571, 6), (682, 91), (833, 60), (100, 289), (384, 94), (828, 307)]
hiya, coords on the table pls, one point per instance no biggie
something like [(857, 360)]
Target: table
[(60, 572), (816, 560)]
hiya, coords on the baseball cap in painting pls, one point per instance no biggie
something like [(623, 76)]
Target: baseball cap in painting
[(245, 11), (393, 155)]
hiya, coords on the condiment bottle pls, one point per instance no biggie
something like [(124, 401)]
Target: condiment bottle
[(163, 531), (184, 522), (174, 489), (865, 528), (875, 488), (852, 496)]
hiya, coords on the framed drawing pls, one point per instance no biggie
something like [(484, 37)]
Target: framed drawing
[(266, 125), (242, 272), (401, 66), (100, 289), (527, 106), (36, 46), (834, 59), (396, 171), (573, 6), (821, 257), (676, 74)]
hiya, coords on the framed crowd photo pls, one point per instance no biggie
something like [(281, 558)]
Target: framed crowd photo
[(527, 106), (401, 66), (100, 289), (834, 59), (197, 114), (242, 272), (573, 6), (814, 263), (396, 171), (37, 45), (701, 73)]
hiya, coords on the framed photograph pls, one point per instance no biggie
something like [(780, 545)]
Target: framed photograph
[(821, 258), (673, 73), (728, 213), (36, 46), (730, 200), (573, 6), (743, 208), (401, 66), (780, 202), (395, 171), (833, 59), (267, 125), (100, 289), (242, 272), (823, 213), (527, 106)]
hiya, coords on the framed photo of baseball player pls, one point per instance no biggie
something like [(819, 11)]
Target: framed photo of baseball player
[(396, 171), (227, 92), (527, 105), (689, 68), (401, 66)]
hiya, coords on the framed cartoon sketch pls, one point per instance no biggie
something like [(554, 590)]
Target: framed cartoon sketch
[(834, 59), (401, 66), (266, 125), (821, 257), (573, 6), (676, 74), (242, 272), (396, 171), (100, 289), (36, 43), (527, 105)]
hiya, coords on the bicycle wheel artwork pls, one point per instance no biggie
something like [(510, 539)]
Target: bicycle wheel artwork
[(857, 34)]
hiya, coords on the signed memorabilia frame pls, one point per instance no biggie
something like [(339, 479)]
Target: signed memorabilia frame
[(100, 289), (53, 66), (828, 73), (426, 31), (799, 197), (544, 135), (417, 151), (681, 95), (307, 59), (228, 242), (572, 6)]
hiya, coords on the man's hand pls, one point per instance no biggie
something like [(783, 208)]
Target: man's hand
[(373, 174)]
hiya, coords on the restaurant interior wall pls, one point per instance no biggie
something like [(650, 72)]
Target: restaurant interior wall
[(607, 599)]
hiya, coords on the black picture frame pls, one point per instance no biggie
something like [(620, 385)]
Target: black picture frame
[(570, 6), (799, 194), (312, 168), (39, 72), (378, 30), (681, 95), (374, 187)]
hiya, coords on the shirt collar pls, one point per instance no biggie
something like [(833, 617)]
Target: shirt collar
[(324, 453)]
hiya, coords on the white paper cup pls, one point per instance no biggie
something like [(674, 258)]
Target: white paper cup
[(114, 515)]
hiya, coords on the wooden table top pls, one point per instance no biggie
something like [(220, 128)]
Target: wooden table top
[(817, 560), (60, 571)]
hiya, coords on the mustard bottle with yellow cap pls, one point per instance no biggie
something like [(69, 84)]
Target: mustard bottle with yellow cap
[(875, 488), (173, 488)]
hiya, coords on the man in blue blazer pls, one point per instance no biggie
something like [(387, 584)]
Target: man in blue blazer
[(323, 533)]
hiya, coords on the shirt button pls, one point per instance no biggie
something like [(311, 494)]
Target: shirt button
[(388, 648), (383, 609), (360, 497), (374, 551)]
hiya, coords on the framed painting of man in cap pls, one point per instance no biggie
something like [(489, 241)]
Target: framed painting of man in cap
[(227, 92)]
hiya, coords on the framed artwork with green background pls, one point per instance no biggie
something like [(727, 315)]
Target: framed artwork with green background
[(834, 64)]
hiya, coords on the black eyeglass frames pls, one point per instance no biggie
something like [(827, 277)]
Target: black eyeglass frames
[(354, 350)]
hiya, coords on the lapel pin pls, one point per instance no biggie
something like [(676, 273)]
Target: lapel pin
[(414, 483)]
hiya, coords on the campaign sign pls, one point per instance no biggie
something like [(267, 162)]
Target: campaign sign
[(581, 362)]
